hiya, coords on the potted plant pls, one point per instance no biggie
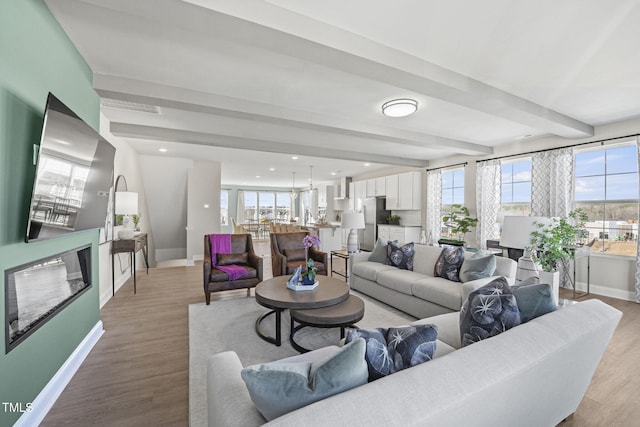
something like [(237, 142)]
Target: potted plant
[(460, 223), (393, 219), (554, 242)]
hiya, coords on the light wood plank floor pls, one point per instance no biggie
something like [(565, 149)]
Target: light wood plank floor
[(137, 374)]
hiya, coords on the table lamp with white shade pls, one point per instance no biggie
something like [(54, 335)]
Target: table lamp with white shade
[(516, 234), (352, 221), (126, 204)]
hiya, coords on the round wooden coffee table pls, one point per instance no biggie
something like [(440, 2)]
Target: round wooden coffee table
[(274, 294), (339, 315)]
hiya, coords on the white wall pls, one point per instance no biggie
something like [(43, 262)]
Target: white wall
[(203, 206), (165, 181), (126, 163)]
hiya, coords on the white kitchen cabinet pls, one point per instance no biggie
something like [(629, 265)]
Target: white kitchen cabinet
[(404, 234), (352, 197), (380, 186), (384, 232), (361, 189), (371, 187), (391, 185)]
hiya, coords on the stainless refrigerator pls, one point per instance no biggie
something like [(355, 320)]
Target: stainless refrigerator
[(374, 214)]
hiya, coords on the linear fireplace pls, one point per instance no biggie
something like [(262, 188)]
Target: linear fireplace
[(37, 291)]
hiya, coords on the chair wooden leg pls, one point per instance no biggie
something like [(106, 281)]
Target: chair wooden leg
[(248, 292), (207, 297)]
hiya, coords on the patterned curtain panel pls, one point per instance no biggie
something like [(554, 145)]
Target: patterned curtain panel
[(552, 183), (240, 208), (488, 201), (637, 275), (434, 204)]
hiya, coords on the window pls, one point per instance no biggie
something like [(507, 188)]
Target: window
[(606, 187), (515, 188), (452, 194), (283, 207), (224, 207)]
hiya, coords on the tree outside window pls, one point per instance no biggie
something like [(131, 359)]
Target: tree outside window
[(452, 194), (606, 187), (515, 189)]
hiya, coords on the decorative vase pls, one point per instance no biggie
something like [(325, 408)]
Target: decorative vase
[(552, 278), (308, 279)]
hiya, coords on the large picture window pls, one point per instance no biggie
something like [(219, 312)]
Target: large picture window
[(452, 194), (224, 207), (606, 187), (515, 188)]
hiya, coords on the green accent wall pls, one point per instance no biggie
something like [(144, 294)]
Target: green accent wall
[(37, 57)]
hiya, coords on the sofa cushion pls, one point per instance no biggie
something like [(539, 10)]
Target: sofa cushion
[(480, 265), (533, 299), (439, 291), (400, 256), (425, 257), (297, 254), (369, 270), (399, 280), (448, 325), (229, 259), (449, 263), (394, 349), (220, 276), (489, 311), (379, 253), (278, 388)]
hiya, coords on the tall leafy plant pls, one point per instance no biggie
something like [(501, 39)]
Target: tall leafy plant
[(460, 221), (555, 241)]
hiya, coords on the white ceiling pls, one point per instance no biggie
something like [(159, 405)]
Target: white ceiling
[(250, 83)]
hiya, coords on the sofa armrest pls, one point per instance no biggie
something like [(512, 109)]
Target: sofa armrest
[(228, 399), (256, 262)]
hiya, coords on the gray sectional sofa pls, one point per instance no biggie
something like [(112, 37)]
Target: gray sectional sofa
[(418, 292), (534, 374)]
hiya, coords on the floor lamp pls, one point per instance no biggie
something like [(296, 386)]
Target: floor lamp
[(352, 221), (516, 234)]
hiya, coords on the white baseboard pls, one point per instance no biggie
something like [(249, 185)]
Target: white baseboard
[(50, 393), (606, 291), (108, 293)]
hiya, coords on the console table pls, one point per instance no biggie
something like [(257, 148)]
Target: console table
[(130, 246)]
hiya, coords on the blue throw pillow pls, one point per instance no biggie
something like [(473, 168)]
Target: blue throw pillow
[(279, 388), (379, 253), (534, 300), (489, 311), (479, 266), (391, 350), (449, 263), (400, 256)]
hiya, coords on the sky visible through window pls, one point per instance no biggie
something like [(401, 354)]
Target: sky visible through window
[(607, 174)]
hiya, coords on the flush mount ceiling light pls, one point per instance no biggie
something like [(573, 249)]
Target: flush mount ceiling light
[(399, 107)]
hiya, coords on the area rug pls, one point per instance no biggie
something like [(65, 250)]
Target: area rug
[(229, 325)]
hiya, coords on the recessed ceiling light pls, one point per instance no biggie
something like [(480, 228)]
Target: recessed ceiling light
[(257, 176), (162, 150), (367, 164), (333, 173), (272, 169), (399, 107), (294, 157)]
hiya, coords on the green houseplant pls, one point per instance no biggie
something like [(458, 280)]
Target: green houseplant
[(554, 241), (460, 223), (393, 219)]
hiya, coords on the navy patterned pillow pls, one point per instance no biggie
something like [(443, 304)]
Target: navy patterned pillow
[(391, 350), (449, 263), (488, 311), (400, 256)]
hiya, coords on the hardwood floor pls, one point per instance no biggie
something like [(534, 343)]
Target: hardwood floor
[(137, 374)]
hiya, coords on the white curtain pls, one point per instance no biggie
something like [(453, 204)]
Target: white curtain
[(240, 219), (434, 205), (292, 208), (637, 274), (552, 183), (488, 201)]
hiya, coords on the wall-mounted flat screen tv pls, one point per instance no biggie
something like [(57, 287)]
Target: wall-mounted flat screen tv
[(74, 176)]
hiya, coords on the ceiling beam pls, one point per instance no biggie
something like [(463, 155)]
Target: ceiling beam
[(130, 90), (127, 130)]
